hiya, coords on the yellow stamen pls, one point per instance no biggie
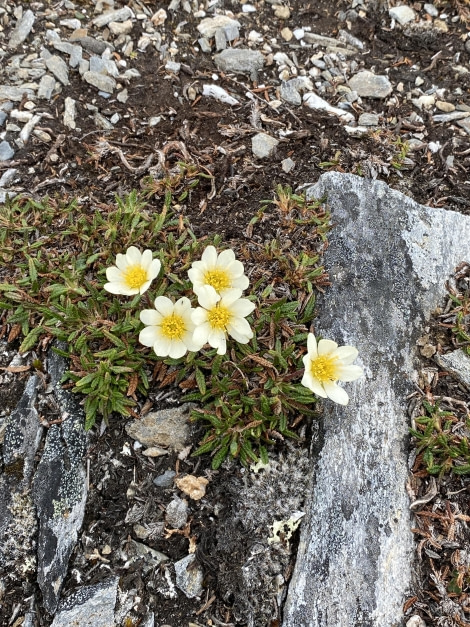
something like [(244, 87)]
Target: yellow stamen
[(219, 317), (173, 327), (324, 368), (219, 279), (135, 277)]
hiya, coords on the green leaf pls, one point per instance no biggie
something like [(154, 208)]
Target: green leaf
[(31, 339), (219, 457), (201, 381)]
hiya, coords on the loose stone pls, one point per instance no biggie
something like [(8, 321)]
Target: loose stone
[(69, 113), (189, 576), (22, 30), (46, 87), (368, 119), (100, 81), (120, 15), (239, 60), (457, 363), (369, 85), (210, 25), (219, 93), (176, 513), (6, 151), (58, 67), (402, 14), (447, 107), (263, 145), (315, 102), (167, 428)]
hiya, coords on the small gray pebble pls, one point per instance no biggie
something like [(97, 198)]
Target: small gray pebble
[(165, 480)]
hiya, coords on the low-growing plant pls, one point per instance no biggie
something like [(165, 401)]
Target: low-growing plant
[(442, 441), (54, 258)]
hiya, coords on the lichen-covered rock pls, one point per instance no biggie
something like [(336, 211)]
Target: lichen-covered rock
[(18, 524), (167, 428), (388, 260), (90, 605), (59, 489)]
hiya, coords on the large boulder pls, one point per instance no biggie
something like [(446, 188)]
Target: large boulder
[(388, 260)]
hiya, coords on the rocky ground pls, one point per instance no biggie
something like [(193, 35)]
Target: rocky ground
[(95, 98)]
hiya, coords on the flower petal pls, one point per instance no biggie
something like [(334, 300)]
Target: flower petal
[(148, 336), (182, 306), (120, 288), (150, 317), (242, 307), (346, 354), (164, 306), (207, 297), (312, 345), (325, 347), (121, 261), (201, 333), (146, 259), (199, 316), (162, 346), (154, 269), (133, 256), (225, 258), (240, 330), (337, 394), (177, 349), (217, 340), (191, 344), (114, 274), (349, 373), (209, 257), (230, 296), (241, 282), (144, 287), (313, 384)]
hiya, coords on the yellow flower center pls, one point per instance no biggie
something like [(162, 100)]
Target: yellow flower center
[(219, 317), (135, 277), (173, 327), (324, 368), (219, 279)]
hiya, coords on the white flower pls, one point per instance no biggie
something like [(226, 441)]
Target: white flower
[(132, 273), (169, 328), (327, 363), (222, 272), (221, 315)]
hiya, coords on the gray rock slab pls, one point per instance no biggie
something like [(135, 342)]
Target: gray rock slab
[(370, 85), (9, 92), (457, 363), (120, 15), (6, 151), (239, 60), (388, 260), (57, 66), (100, 81), (18, 525), (22, 29), (23, 432), (59, 488), (210, 25), (168, 428), (95, 46), (91, 605), (46, 87)]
